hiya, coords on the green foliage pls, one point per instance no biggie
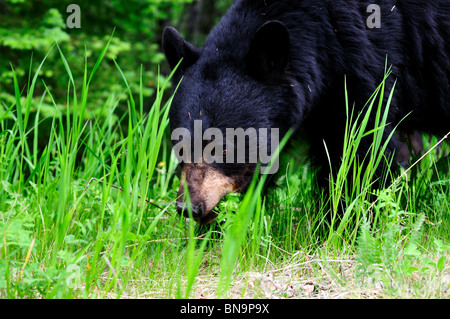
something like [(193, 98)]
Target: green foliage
[(396, 255), (42, 207), (31, 28)]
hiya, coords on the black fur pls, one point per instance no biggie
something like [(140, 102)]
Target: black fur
[(283, 63)]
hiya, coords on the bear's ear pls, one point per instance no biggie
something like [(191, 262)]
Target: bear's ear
[(176, 48), (269, 51)]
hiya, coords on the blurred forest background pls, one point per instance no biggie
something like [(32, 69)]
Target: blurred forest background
[(29, 29)]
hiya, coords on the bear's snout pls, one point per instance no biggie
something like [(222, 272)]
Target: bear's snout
[(196, 210), (206, 187)]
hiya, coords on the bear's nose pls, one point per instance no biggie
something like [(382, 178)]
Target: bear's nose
[(197, 210)]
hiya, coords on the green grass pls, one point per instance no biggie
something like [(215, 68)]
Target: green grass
[(91, 214)]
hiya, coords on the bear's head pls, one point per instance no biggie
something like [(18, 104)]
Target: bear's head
[(232, 104)]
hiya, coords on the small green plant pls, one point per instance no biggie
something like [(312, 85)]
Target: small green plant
[(396, 256)]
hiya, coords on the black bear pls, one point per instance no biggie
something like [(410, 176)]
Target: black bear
[(283, 64)]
